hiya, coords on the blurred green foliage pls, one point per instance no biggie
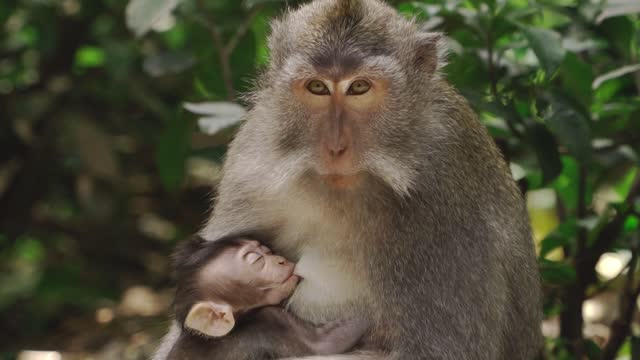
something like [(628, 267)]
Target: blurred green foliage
[(102, 169)]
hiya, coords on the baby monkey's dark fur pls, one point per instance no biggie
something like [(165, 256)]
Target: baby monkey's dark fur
[(267, 332)]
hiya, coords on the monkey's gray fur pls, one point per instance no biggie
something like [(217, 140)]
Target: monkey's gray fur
[(435, 247)]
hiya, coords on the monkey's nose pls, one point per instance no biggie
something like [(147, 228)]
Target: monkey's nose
[(337, 150)]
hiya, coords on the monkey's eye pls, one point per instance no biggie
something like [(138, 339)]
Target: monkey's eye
[(358, 87), (317, 87), (253, 257)]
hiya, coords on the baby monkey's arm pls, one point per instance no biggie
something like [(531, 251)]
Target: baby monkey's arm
[(290, 334)]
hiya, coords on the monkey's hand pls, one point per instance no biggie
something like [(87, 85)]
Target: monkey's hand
[(337, 337)]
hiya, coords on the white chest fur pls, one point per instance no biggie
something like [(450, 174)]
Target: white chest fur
[(327, 260)]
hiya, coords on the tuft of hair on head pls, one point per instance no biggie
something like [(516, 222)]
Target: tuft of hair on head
[(347, 8)]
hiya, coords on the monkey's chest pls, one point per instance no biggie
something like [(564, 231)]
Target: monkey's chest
[(329, 261), (330, 286)]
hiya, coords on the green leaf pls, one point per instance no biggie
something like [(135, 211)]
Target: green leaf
[(467, 71), (251, 3), (607, 90), (593, 350), (571, 129), (29, 249), (620, 34), (172, 151), (624, 185), (576, 79), (566, 185), (557, 273), (89, 57), (546, 149), (547, 47), (631, 224), (635, 347)]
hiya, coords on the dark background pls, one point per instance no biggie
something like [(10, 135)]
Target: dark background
[(102, 169)]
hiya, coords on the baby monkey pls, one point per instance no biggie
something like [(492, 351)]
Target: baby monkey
[(236, 284)]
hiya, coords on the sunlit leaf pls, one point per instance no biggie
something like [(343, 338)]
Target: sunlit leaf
[(626, 182), (29, 249), (143, 14), (547, 46), (216, 115), (607, 90), (89, 56), (615, 74), (631, 224), (618, 8)]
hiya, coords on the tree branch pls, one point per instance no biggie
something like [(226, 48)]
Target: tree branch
[(241, 31), (571, 320), (225, 50)]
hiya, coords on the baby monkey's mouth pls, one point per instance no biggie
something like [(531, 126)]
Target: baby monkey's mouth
[(292, 275), (290, 282)]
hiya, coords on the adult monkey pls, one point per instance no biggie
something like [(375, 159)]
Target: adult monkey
[(358, 161)]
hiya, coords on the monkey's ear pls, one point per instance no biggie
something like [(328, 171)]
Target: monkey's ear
[(429, 51), (210, 318)]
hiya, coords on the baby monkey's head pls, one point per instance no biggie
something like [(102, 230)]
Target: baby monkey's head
[(217, 281)]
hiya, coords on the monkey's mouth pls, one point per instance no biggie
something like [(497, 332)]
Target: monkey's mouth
[(292, 279), (340, 181)]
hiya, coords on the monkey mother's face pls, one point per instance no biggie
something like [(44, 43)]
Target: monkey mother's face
[(345, 92), (339, 111)]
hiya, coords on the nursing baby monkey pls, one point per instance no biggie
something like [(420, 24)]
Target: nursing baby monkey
[(227, 296)]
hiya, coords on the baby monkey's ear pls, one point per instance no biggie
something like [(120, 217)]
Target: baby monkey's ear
[(210, 318)]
